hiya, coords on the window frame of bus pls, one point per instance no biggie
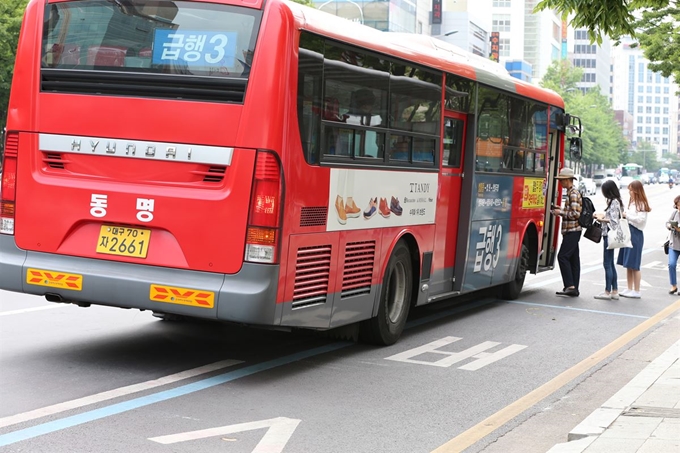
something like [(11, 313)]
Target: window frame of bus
[(510, 152), (331, 120)]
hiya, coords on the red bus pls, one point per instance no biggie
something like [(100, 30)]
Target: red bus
[(268, 164)]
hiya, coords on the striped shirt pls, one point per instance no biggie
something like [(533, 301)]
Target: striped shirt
[(571, 211)]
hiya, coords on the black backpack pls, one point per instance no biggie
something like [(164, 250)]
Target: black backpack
[(587, 211)]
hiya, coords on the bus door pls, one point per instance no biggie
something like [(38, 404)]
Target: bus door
[(553, 196), (448, 203)]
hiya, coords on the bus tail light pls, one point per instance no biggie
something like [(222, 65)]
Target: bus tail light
[(8, 183), (264, 219)]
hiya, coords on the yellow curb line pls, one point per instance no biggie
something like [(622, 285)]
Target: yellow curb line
[(495, 421)]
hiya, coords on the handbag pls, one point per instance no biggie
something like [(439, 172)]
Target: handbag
[(619, 238), (665, 246), (594, 232)]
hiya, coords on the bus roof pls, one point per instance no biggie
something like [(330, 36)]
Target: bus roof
[(422, 49)]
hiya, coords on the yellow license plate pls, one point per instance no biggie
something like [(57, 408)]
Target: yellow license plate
[(123, 241)]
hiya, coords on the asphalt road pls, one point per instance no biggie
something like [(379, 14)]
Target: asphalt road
[(478, 374)]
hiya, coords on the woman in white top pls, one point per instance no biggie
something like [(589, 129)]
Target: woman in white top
[(631, 258)]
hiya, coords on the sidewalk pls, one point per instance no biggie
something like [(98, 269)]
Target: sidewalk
[(644, 416)]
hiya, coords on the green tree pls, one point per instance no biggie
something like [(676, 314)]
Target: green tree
[(655, 24), (603, 141), (658, 33), (11, 13), (645, 155), (613, 18), (305, 2), (562, 77)]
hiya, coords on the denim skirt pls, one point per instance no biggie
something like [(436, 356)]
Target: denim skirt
[(631, 257)]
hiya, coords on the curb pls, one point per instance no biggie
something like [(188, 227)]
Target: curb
[(586, 432)]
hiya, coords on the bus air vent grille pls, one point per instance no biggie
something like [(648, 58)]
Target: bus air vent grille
[(358, 269), (313, 216), (214, 174), (53, 160), (312, 275)]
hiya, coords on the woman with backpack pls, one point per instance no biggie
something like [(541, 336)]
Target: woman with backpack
[(610, 222), (631, 258)]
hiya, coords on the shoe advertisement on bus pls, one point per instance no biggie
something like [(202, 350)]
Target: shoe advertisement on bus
[(377, 199)]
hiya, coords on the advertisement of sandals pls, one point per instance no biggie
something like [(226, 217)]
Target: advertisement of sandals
[(379, 199)]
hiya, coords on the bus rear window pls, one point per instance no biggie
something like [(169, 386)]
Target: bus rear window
[(178, 38)]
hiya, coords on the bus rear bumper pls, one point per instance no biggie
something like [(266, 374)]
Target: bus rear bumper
[(249, 296)]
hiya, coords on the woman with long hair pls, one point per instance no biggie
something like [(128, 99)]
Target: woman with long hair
[(630, 258), (674, 245), (610, 221)]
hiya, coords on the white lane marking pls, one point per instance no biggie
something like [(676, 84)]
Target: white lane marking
[(28, 310), (658, 265), (475, 352), (115, 393), (280, 430)]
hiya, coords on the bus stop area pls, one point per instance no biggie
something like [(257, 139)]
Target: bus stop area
[(644, 416)]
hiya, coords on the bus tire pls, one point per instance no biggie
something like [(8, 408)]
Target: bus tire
[(395, 300), (511, 290)]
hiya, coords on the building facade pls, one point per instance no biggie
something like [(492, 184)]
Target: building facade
[(648, 96), (594, 60)]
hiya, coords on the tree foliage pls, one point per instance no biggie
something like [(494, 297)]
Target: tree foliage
[(659, 37), (11, 13), (655, 24), (603, 141), (613, 18), (645, 155)]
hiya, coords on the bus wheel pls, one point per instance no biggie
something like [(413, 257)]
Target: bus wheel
[(395, 300), (512, 289)]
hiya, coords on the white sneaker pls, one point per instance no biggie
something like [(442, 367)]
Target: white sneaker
[(615, 296), (625, 292), (634, 295), (604, 296)]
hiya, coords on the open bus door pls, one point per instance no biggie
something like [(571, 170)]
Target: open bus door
[(560, 125)]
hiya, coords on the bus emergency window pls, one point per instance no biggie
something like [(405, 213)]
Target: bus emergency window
[(359, 82), (344, 94), (177, 37), (415, 99)]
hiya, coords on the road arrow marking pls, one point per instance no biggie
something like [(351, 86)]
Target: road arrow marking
[(274, 440)]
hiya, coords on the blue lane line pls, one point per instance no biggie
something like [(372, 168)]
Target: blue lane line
[(559, 307), (85, 417), (89, 416), (114, 409)]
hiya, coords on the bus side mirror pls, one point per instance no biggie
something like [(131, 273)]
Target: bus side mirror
[(575, 148)]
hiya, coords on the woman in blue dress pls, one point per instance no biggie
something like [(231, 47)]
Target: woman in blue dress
[(630, 258)]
